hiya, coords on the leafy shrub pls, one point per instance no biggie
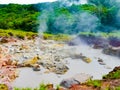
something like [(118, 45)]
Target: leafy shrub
[(117, 88), (58, 37), (95, 83), (20, 36), (113, 75), (17, 33)]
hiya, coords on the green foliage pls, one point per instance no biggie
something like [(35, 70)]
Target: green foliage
[(106, 3), (58, 37), (60, 19), (107, 11), (23, 88), (31, 35), (105, 14), (117, 88), (60, 11), (42, 87), (114, 75), (89, 8), (115, 34), (107, 88), (17, 33), (95, 83), (67, 19), (15, 16), (57, 87)]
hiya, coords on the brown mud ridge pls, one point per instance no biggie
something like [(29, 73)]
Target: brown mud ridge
[(111, 84), (106, 84)]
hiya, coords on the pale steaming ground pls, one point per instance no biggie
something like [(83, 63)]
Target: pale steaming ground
[(29, 78)]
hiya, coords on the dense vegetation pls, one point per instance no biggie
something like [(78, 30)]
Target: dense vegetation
[(14, 16), (54, 18), (17, 33)]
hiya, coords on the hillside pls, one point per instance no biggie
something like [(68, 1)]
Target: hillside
[(90, 17), (14, 16)]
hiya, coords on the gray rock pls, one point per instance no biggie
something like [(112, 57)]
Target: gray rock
[(54, 66), (77, 79), (36, 69), (61, 68), (82, 77), (57, 58), (100, 60), (102, 63), (107, 67), (67, 83), (115, 51)]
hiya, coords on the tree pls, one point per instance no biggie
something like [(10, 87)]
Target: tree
[(15, 16), (105, 3), (106, 11)]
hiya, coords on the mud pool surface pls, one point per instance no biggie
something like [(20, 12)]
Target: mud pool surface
[(29, 78)]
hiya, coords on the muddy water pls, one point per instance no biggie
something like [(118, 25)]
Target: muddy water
[(30, 78)]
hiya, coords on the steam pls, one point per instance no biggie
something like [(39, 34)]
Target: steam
[(63, 24), (74, 23), (118, 14), (78, 22), (43, 23), (71, 2), (69, 24), (113, 7), (118, 1), (86, 22), (118, 17), (42, 28)]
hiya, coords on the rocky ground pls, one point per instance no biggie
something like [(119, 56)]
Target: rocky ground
[(8, 70), (48, 54)]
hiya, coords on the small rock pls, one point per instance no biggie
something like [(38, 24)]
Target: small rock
[(36, 67), (14, 62), (87, 60), (61, 68), (57, 58), (100, 60), (47, 71), (58, 76), (31, 61), (67, 83), (20, 65), (102, 63), (107, 67), (4, 40), (49, 87), (82, 77)]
